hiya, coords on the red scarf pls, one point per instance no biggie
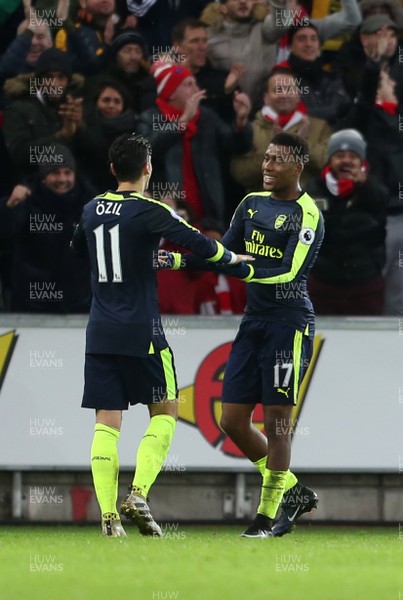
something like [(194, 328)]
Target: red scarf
[(342, 188), (189, 180), (388, 107), (288, 120)]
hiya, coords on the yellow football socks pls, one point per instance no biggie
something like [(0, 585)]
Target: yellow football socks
[(152, 452), (105, 466), (261, 465), (272, 492), (291, 479)]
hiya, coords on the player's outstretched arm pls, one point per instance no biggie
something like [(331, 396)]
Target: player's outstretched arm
[(233, 240), (190, 262), (161, 219)]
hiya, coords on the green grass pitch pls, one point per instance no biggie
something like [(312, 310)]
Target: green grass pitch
[(200, 563)]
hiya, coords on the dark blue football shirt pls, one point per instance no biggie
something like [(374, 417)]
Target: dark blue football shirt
[(122, 231)]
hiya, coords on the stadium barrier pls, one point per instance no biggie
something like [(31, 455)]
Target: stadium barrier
[(347, 425)]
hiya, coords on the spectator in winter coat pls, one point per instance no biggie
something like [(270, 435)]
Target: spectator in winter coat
[(189, 39), (37, 222), (108, 115), (45, 111), (242, 31), (129, 65), (347, 276), (157, 18), (332, 21), (283, 110), (187, 141), (88, 38), (376, 40), (23, 53), (325, 97), (377, 114)]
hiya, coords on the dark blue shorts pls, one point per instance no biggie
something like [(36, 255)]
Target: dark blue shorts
[(267, 364), (112, 381)]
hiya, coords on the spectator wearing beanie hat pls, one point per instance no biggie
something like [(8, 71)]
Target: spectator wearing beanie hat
[(187, 141), (45, 110), (61, 158), (129, 65), (53, 60), (347, 276), (36, 225), (391, 8)]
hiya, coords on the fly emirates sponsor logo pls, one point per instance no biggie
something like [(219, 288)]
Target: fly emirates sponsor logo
[(257, 246)]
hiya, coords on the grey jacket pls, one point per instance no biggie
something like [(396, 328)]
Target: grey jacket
[(334, 25)]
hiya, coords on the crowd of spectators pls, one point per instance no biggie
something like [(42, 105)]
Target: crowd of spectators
[(209, 83)]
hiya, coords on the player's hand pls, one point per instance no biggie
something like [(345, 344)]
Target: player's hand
[(192, 106), (19, 194), (169, 260), (243, 258), (163, 259)]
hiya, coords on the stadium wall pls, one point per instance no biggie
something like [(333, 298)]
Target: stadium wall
[(347, 439)]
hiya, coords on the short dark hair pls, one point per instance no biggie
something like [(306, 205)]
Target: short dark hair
[(179, 31), (128, 154), (100, 85), (298, 144), (295, 28), (279, 71)]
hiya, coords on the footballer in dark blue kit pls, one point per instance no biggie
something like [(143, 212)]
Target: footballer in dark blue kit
[(128, 360), (282, 229)]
